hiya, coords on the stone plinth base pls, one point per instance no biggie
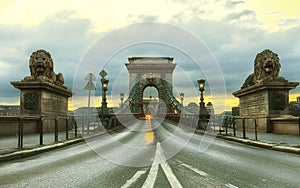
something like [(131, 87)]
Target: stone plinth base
[(264, 101), (40, 98), (286, 125), (39, 101), (269, 99)]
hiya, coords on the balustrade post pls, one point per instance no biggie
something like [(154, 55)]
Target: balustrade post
[(220, 124), (56, 130), (255, 124), (233, 125), (20, 133), (76, 127), (67, 128), (82, 125), (244, 128), (41, 123), (226, 125), (299, 125)]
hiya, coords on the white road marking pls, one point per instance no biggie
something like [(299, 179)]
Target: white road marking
[(149, 183), (161, 160), (201, 173), (230, 185), (134, 178), (167, 169)]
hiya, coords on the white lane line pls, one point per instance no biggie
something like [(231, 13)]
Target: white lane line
[(230, 185), (149, 183), (200, 172), (167, 169), (134, 178)]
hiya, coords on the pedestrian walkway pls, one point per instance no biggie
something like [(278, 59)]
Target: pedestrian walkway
[(286, 140), (9, 144), (271, 138), (279, 142)]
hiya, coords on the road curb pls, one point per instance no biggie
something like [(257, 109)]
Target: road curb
[(256, 143)]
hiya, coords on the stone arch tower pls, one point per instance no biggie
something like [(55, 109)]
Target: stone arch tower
[(149, 71), (144, 67)]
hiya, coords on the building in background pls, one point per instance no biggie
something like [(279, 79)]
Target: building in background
[(9, 110)]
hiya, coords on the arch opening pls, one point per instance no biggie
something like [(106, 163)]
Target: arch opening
[(150, 101)]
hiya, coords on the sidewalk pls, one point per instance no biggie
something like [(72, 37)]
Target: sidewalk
[(278, 142), (9, 144), (9, 150)]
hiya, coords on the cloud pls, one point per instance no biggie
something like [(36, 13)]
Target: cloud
[(287, 23), (147, 18), (233, 38), (232, 4), (236, 46), (239, 16), (67, 40)]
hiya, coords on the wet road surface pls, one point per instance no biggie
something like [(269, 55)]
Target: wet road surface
[(154, 154)]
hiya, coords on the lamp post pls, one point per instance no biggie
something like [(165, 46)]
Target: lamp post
[(122, 98), (203, 114), (201, 84), (181, 98), (104, 83)]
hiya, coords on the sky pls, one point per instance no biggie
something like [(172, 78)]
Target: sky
[(233, 31)]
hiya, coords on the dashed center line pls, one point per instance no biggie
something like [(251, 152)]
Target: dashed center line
[(230, 185), (201, 173), (204, 174)]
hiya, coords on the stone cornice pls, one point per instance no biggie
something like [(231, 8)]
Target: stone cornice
[(277, 85), (37, 84)]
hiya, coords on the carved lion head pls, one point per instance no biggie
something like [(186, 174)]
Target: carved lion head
[(266, 66), (41, 64)]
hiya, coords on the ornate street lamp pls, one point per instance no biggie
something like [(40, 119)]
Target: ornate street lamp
[(122, 98), (104, 83), (181, 98), (203, 113), (201, 84)]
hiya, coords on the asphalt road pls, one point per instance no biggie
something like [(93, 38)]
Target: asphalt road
[(154, 154)]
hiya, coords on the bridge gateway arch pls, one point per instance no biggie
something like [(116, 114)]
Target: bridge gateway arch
[(156, 72)]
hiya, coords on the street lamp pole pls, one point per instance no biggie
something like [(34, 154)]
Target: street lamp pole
[(201, 89), (181, 98), (122, 98), (203, 114), (104, 83)]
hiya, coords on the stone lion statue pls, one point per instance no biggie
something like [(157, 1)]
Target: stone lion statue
[(41, 68), (266, 68)]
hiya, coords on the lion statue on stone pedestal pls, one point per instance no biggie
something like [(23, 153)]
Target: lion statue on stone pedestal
[(41, 68), (266, 68)]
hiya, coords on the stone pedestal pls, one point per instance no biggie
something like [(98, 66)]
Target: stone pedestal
[(264, 101), (39, 98), (45, 100)]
